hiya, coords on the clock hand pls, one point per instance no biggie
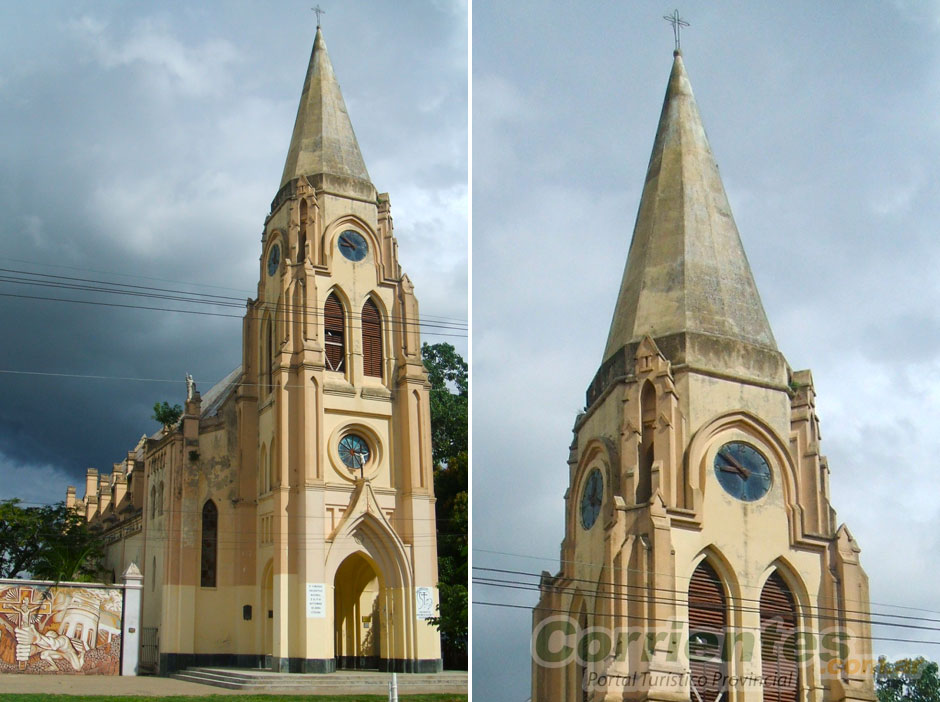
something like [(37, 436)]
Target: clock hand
[(348, 244), (745, 473)]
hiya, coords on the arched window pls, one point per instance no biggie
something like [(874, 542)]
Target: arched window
[(778, 643), (334, 321), (160, 499), (707, 629), (644, 484), (302, 240), (210, 543), (153, 501), (371, 340)]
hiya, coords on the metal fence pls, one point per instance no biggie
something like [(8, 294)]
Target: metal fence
[(149, 649)]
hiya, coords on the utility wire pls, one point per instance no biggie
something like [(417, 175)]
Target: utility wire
[(682, 592), (164, 280), (14, 276), (680, 577), (611, 597), (562, 611)]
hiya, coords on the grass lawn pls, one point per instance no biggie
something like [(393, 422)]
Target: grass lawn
[(232, 698)]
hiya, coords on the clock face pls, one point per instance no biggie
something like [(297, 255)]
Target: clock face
[(354, 451), (742, 471), (591, 498), (274, 259), (352, 245)]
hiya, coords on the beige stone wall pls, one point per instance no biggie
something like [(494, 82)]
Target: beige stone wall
[(631, 570)]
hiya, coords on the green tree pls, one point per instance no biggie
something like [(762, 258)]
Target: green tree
[(165, 414), (49, 542), (907, 680), (447, 372)]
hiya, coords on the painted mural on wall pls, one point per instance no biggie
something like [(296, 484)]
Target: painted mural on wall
[(59, 630)]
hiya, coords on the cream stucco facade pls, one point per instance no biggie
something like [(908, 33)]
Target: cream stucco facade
[(287, 521), (691, 368)]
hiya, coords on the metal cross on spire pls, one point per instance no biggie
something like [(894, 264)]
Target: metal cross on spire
[(318, 11), (677, 24)]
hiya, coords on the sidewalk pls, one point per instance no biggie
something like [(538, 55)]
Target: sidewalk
[(153, 686)]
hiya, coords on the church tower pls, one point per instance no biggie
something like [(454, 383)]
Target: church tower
[(702, 560), (335, 414), (286, 521)]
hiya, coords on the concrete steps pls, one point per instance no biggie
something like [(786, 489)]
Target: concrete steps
[(340, 682)]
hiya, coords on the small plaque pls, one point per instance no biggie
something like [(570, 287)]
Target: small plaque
[(424, 602), (316, 601)]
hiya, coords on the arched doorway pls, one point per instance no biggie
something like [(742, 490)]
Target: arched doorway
[(357, 615), (267, 613)]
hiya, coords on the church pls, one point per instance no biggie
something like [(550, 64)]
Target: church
[(702, 560), (286, 521)]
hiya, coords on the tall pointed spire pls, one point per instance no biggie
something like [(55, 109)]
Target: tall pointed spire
[(686, 271), (323, 141)]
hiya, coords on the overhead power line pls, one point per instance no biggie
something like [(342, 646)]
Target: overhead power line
[(281, 311), (562, 611), (628, 597), (682, 592), (188, 283), (600, 566)]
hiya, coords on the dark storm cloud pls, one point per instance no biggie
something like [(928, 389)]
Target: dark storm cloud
[(143, 144), (822, 120)]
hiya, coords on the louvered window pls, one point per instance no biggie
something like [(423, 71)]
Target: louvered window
[(371, 340), (778, 646), (707, 628), (334, 320), (210, 543)]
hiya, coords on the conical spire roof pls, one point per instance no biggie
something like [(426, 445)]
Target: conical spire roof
[(323, 141), (686, 271)]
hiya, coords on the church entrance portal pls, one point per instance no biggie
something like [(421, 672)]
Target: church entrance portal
[(357, 613)]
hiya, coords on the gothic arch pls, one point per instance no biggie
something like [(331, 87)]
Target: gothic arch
[(758, 432), (372, 337), (646, 448), (601, 453), (720, 564), (790, 575), (372, 536), (209, 535), (302, 230), (332, 231), (336, 293), (794, 672), (275, 236)]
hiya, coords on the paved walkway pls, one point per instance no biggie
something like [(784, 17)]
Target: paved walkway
[(152, 686)]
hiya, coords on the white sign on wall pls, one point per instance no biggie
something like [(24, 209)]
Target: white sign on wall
[(316, 601), (424, 602)]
